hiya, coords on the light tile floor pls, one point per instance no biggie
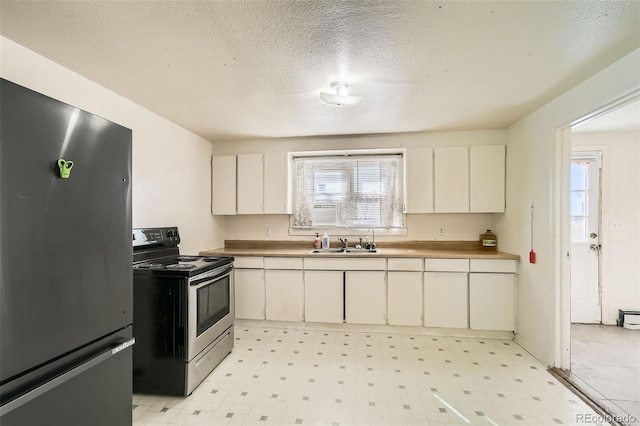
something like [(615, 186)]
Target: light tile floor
[(284, 376)]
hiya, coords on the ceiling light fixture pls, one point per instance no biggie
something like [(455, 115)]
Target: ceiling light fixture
[(338, 95)]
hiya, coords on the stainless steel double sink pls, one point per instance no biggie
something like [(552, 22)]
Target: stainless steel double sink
[(348, 250)]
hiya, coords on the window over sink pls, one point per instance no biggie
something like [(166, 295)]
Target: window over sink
[(348, 190)]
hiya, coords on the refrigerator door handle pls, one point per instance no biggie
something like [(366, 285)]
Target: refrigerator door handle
[(87, 365)]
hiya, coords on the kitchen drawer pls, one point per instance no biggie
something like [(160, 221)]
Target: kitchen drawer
[(446, 265), (282, 263), (248, 262), (493, 265), (342, 264), (405, 264)]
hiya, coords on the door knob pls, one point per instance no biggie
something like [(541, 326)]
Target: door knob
[(593, 235), (595, 247)]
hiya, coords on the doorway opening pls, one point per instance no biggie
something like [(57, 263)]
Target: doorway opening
[(600, 248)]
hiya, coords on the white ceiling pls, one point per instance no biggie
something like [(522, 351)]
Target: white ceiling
[(624, 118), (231, 70)]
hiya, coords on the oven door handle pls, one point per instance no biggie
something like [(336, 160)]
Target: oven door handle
[(219, 274)]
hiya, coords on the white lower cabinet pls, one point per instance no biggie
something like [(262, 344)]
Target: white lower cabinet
[(323, 296), (491, 301), (249, 293), (404, 303), (284, 295), (365, 297), (445, 293), (445, 299)]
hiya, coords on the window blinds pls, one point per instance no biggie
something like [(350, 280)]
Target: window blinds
[(348, 192)]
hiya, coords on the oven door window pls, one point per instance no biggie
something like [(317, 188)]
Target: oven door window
[(213, 303)]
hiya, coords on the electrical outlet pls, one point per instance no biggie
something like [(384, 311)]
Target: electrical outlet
[(616, 225), (267, 231), (441, 231)]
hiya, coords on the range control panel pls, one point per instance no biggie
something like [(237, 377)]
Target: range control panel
[(168, 237)]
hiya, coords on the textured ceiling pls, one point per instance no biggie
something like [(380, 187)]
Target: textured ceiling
[(231, 70)]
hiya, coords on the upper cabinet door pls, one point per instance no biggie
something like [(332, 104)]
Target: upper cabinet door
[(451, 193), (419, 175), (276, 176), (250, 184), (223, 185), (487, 178)]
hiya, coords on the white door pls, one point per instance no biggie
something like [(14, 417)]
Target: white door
[(284, 295), (365, 295), (451, 179), (404, 298), (585, 236), (324, 296), (491, 301)]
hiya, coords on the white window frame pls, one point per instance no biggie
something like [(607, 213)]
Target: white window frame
[(342, 153)]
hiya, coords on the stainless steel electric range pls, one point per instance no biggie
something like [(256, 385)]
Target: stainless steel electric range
[(183, 311)]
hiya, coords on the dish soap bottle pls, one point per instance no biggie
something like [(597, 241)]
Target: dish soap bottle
[(317, 243), (325, 241), (489, 240)]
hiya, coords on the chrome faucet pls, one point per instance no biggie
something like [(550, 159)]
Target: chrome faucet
[(345, 243)]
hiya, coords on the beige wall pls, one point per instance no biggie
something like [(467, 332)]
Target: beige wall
[(419, 226), (532, 176), (460, 227), (171, 166), (620, 202)]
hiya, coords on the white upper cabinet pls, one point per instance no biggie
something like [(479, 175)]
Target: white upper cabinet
[(451, 178), (487, 178), (223, 185), (250, 184), (276, 180), (419, 180), (469, 179), (250, 196), (438, 180)]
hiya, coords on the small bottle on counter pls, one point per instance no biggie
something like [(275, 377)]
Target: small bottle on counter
[(325, 241), (317, 243), (489, 240)]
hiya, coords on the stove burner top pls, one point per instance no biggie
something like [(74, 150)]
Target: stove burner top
[(181, 266), (187, 258), (149, 265), (170, 262)]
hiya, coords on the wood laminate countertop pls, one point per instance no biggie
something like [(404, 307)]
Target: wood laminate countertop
[(420, 249)]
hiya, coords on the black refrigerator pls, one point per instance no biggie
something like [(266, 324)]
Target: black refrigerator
[(65, 264)]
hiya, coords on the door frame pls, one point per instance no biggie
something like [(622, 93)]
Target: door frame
[(562, 230)]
